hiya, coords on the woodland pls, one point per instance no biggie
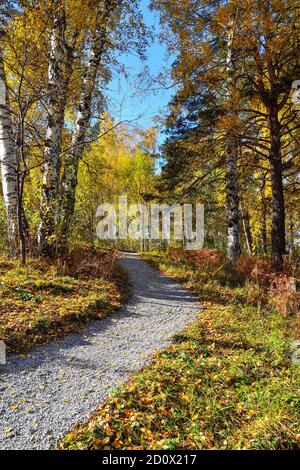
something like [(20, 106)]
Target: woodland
[(231, 141)]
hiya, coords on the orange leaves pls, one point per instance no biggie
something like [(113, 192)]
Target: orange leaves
[(230, 398), (202, 259), (225, 384), (268, 288), (39, 302)]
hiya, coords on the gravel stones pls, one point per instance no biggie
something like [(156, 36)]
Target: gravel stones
[(43, 395)]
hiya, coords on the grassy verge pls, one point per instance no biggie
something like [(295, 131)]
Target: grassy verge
[(226, 383), (43, 300)]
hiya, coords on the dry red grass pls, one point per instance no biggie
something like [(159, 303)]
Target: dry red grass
[(265, 287)]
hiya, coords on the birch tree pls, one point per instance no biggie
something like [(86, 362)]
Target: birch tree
[(55, 122), (9, 164), (104, 14), (21, 46), (8, 152), (232, 191)]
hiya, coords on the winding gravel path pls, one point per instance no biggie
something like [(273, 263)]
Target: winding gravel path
[(43, 395)]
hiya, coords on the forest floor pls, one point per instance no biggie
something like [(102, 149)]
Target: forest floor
[(45, 300), (228, 382), (46, 392)]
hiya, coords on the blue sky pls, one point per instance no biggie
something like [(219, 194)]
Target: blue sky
[(123, 100)]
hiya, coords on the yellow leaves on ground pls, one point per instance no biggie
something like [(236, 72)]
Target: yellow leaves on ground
[(38, 303), (226, 383)]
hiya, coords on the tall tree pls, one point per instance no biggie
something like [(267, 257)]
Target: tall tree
[(269, 36), (117, 27), (207, 67), (22, 45), (99, 43), (9, 164), (8, 152), (56, 104), (250, 89), (232, 147)]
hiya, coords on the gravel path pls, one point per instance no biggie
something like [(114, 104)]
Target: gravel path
[(43, 395)]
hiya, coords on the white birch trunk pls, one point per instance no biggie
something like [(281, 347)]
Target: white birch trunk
[(69, 179), (55, 123), (9, 165), (232, 191)]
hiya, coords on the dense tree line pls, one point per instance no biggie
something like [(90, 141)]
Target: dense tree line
[(233, 124), (56, 58)]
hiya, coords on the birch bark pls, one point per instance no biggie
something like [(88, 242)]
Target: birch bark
[(232, 190), (9, 165), (55, 122), (84, 112)]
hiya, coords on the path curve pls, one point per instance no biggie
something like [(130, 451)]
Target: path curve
[(43, 395)]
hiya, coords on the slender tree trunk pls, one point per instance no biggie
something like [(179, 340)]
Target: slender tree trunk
[(248, 232), (55, 123), (274, 104), (264, 218), (23, 227), (232, 190), (232, 205), (278, 205), (21, 215), (9, 166), (69, 179), (264, 228), (291, 234), (247, 229)]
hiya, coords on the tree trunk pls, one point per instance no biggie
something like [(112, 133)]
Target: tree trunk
[(247, 230), (232, 206), (278, 205), (9, 166), (291, 234), (55, 123), (232, 191), (69, 179), (21, 216), (264, 219)]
